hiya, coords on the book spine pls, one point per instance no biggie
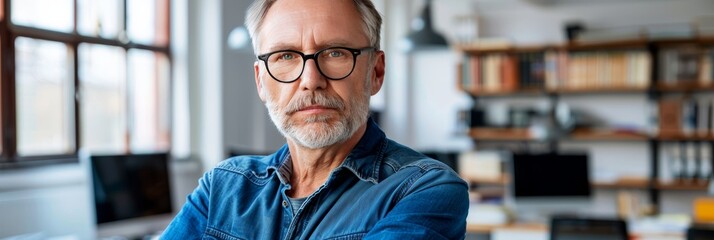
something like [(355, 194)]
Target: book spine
[(689, 116), (705, 70), (464, 74), (702, 117), (710, 124), (646, 79), (509, 73)]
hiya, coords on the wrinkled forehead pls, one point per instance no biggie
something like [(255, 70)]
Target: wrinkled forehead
[(311, 24)]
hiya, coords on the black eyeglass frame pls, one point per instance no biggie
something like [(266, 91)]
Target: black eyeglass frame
[(355, 52)]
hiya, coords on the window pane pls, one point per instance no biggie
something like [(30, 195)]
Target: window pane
[(149, 81), (102, 75), (103, 18), (44, 97), (147, 21), (54, 15)]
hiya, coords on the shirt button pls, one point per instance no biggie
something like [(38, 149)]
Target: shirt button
[(285, 203)]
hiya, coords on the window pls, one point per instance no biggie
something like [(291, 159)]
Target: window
[(83, 74), (43, 97)]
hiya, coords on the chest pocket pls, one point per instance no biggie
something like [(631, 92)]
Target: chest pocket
[(212, 234), (353, 236)]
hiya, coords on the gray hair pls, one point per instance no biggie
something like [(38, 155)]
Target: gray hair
[(372, 21)]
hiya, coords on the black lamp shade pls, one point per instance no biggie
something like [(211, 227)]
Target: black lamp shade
[(423, 34)]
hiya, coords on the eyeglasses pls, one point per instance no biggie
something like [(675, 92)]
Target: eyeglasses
[(334, 63)]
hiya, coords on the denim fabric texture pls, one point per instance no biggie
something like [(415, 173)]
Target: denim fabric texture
[(383, 190)]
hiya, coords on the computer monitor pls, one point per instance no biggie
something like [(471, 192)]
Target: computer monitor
[(549, 184), (131, 194)]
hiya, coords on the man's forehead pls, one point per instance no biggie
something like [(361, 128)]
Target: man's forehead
[(322, 23)]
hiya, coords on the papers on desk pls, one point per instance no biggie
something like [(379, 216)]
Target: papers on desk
[(666, 226), (520, 234), (487, 214), (481, 165)]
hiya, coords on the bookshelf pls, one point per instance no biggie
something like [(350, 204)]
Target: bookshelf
[(676, 75)]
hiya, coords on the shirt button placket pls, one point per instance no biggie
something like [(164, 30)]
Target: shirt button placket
[(285, 204)]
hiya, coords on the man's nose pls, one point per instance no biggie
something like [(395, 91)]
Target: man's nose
[(311, 78)]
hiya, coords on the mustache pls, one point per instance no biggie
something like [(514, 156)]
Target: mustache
[(316, 98)]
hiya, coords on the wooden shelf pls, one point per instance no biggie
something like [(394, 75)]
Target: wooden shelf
[(520, 92), (688, 86), (619, 44), (581, 134), (479, 228), (487, 46), (666, 42), (504, 48), (486, 229), (602, 90), (622, 183), (539, 92), (501, 134), (684, 137), (686, 186), (706, 40), (587, 134), (625, 182), (644, 184)]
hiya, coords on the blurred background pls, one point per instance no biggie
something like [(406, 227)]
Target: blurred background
[(598, 109)]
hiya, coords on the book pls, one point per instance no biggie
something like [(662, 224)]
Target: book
[(690, 112), (703, 116), (710, 121), (509, 72), (705, 73), (680, 66), (670, 117), (475, 70), (463, 74)]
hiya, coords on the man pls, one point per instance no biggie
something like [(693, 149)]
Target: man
[(338, 176)]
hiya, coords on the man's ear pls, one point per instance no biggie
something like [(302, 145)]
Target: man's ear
[(378, 73), (258, 83)]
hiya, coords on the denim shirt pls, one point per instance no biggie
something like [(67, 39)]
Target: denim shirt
[(382, 190)]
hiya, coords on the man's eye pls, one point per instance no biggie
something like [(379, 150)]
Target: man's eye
[(336, 54), (286, 56)]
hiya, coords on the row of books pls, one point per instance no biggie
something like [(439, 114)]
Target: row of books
[(489, 73), (686, 65), (604, 70), (554, 70), (687, 161), (686, 117)]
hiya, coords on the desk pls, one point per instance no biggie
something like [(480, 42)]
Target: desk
[(536, 231), (486, 229)]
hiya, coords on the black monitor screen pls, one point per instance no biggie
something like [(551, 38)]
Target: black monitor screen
[(130, 186), (550, 175)]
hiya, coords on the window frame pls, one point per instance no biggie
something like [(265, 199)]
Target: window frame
[(9, 32)]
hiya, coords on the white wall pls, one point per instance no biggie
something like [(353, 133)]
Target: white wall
[(246, 125)]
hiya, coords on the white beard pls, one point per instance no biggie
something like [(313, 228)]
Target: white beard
[(323, 132)]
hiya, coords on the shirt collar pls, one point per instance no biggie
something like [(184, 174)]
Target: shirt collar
[(363, 161)]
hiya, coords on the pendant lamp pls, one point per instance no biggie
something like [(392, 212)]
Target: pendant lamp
[(423, 36)]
